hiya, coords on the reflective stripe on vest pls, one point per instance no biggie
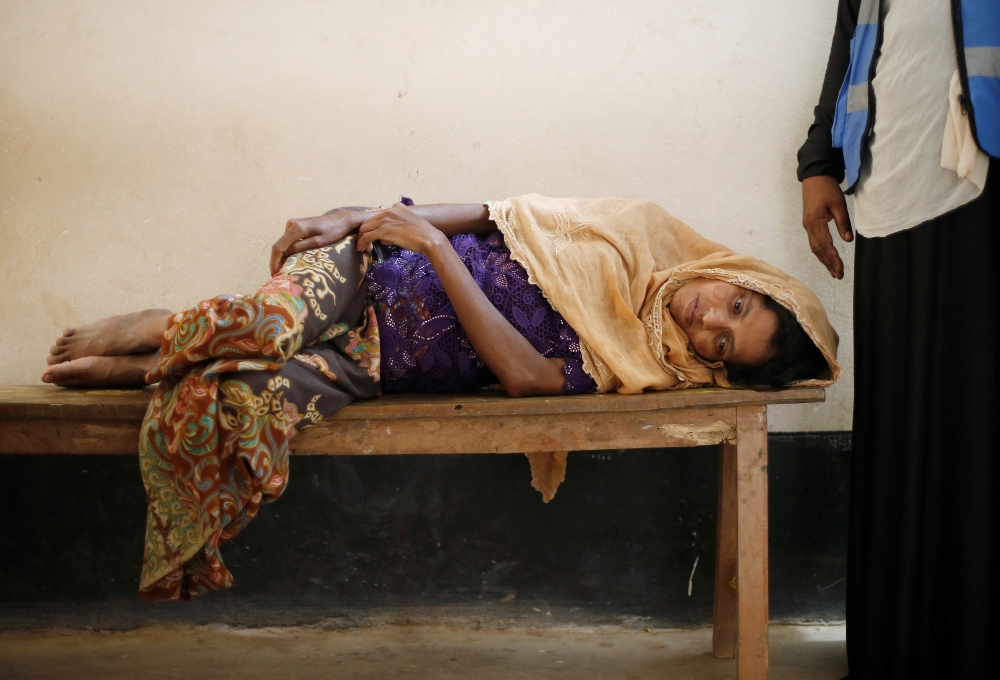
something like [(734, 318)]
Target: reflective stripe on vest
[(850, 123), (981, 40)]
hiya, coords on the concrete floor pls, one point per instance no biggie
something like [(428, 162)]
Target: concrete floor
[(407, 651)]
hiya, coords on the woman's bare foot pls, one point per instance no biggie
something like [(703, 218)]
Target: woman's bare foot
[(116, 335), (116, 371)]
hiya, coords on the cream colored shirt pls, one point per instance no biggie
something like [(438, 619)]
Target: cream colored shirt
[(902, 183)]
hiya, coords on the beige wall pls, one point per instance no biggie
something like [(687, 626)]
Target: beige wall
[(150, 152)]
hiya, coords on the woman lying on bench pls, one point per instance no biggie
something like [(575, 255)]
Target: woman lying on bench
[(460, 296)]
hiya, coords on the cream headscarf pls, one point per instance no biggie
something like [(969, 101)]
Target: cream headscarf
[(610, 266)]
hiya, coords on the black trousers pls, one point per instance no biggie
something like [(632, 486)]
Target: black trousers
[(923, 584)]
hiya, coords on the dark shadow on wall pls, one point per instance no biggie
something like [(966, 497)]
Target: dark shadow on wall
[(362, 533)]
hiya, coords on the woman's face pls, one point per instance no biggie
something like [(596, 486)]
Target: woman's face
[(725, 322)]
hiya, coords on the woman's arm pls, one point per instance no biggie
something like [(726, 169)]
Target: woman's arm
[(305, 233), (522, 370), (456, 218)]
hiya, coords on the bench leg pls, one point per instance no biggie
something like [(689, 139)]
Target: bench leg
[(724, 621), (751, 531)]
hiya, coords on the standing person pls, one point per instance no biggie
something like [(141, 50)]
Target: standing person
[(910, 112)]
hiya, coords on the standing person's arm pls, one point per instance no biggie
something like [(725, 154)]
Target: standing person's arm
[(821, 166), (522, 370), (314, 232)]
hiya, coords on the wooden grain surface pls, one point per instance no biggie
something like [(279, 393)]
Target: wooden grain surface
[(725, 619), (521, 433), (44, 419), (751, 530), (43, 401), (482, 434), (57, 435)]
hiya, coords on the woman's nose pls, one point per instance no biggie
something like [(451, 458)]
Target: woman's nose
[(714, 319)]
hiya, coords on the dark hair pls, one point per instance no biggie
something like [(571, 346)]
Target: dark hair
[(798, 357)]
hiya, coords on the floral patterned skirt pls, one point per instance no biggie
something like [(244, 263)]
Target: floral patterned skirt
[(238, 377)]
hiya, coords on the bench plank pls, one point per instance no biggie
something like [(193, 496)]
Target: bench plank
[(520, 433), (44, 419), (485, 434), (58, 435), (43, 401)]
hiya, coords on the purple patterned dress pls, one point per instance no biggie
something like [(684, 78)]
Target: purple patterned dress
[(425, 349)]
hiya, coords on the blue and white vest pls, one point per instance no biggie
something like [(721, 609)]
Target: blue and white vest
[(977, 43)]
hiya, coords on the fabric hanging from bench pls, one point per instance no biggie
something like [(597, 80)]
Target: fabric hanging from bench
[(238, 377), (548, 470)]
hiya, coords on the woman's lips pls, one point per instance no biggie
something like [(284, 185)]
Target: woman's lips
[(689, 312)]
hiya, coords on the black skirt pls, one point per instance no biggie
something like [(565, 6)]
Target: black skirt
[(923, 586)]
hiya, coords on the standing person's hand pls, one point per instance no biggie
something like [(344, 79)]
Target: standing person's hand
[(304, 233), (822, 201)]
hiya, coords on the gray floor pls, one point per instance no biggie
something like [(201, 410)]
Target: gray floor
[(407, 651)]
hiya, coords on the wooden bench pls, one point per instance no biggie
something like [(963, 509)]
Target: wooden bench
[(45, 420)]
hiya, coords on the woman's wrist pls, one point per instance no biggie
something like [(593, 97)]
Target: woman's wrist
[(436, 247), (355, 218)]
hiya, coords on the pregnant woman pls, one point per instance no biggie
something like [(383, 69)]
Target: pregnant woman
[(545, 296)]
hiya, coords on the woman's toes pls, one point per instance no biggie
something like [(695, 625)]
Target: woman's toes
[(54, 373), (76, 373), (94, 371), (55, 358)]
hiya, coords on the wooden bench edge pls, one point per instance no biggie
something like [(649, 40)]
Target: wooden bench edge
[(22, 402)]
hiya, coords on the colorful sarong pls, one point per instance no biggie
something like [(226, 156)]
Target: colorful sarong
[(239, 376)]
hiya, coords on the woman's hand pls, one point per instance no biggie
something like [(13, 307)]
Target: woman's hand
[(513, 360), (304, 233), (822, 201), (400, 226)]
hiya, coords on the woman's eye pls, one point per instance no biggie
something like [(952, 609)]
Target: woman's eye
[(722, 347), (739, 305)]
